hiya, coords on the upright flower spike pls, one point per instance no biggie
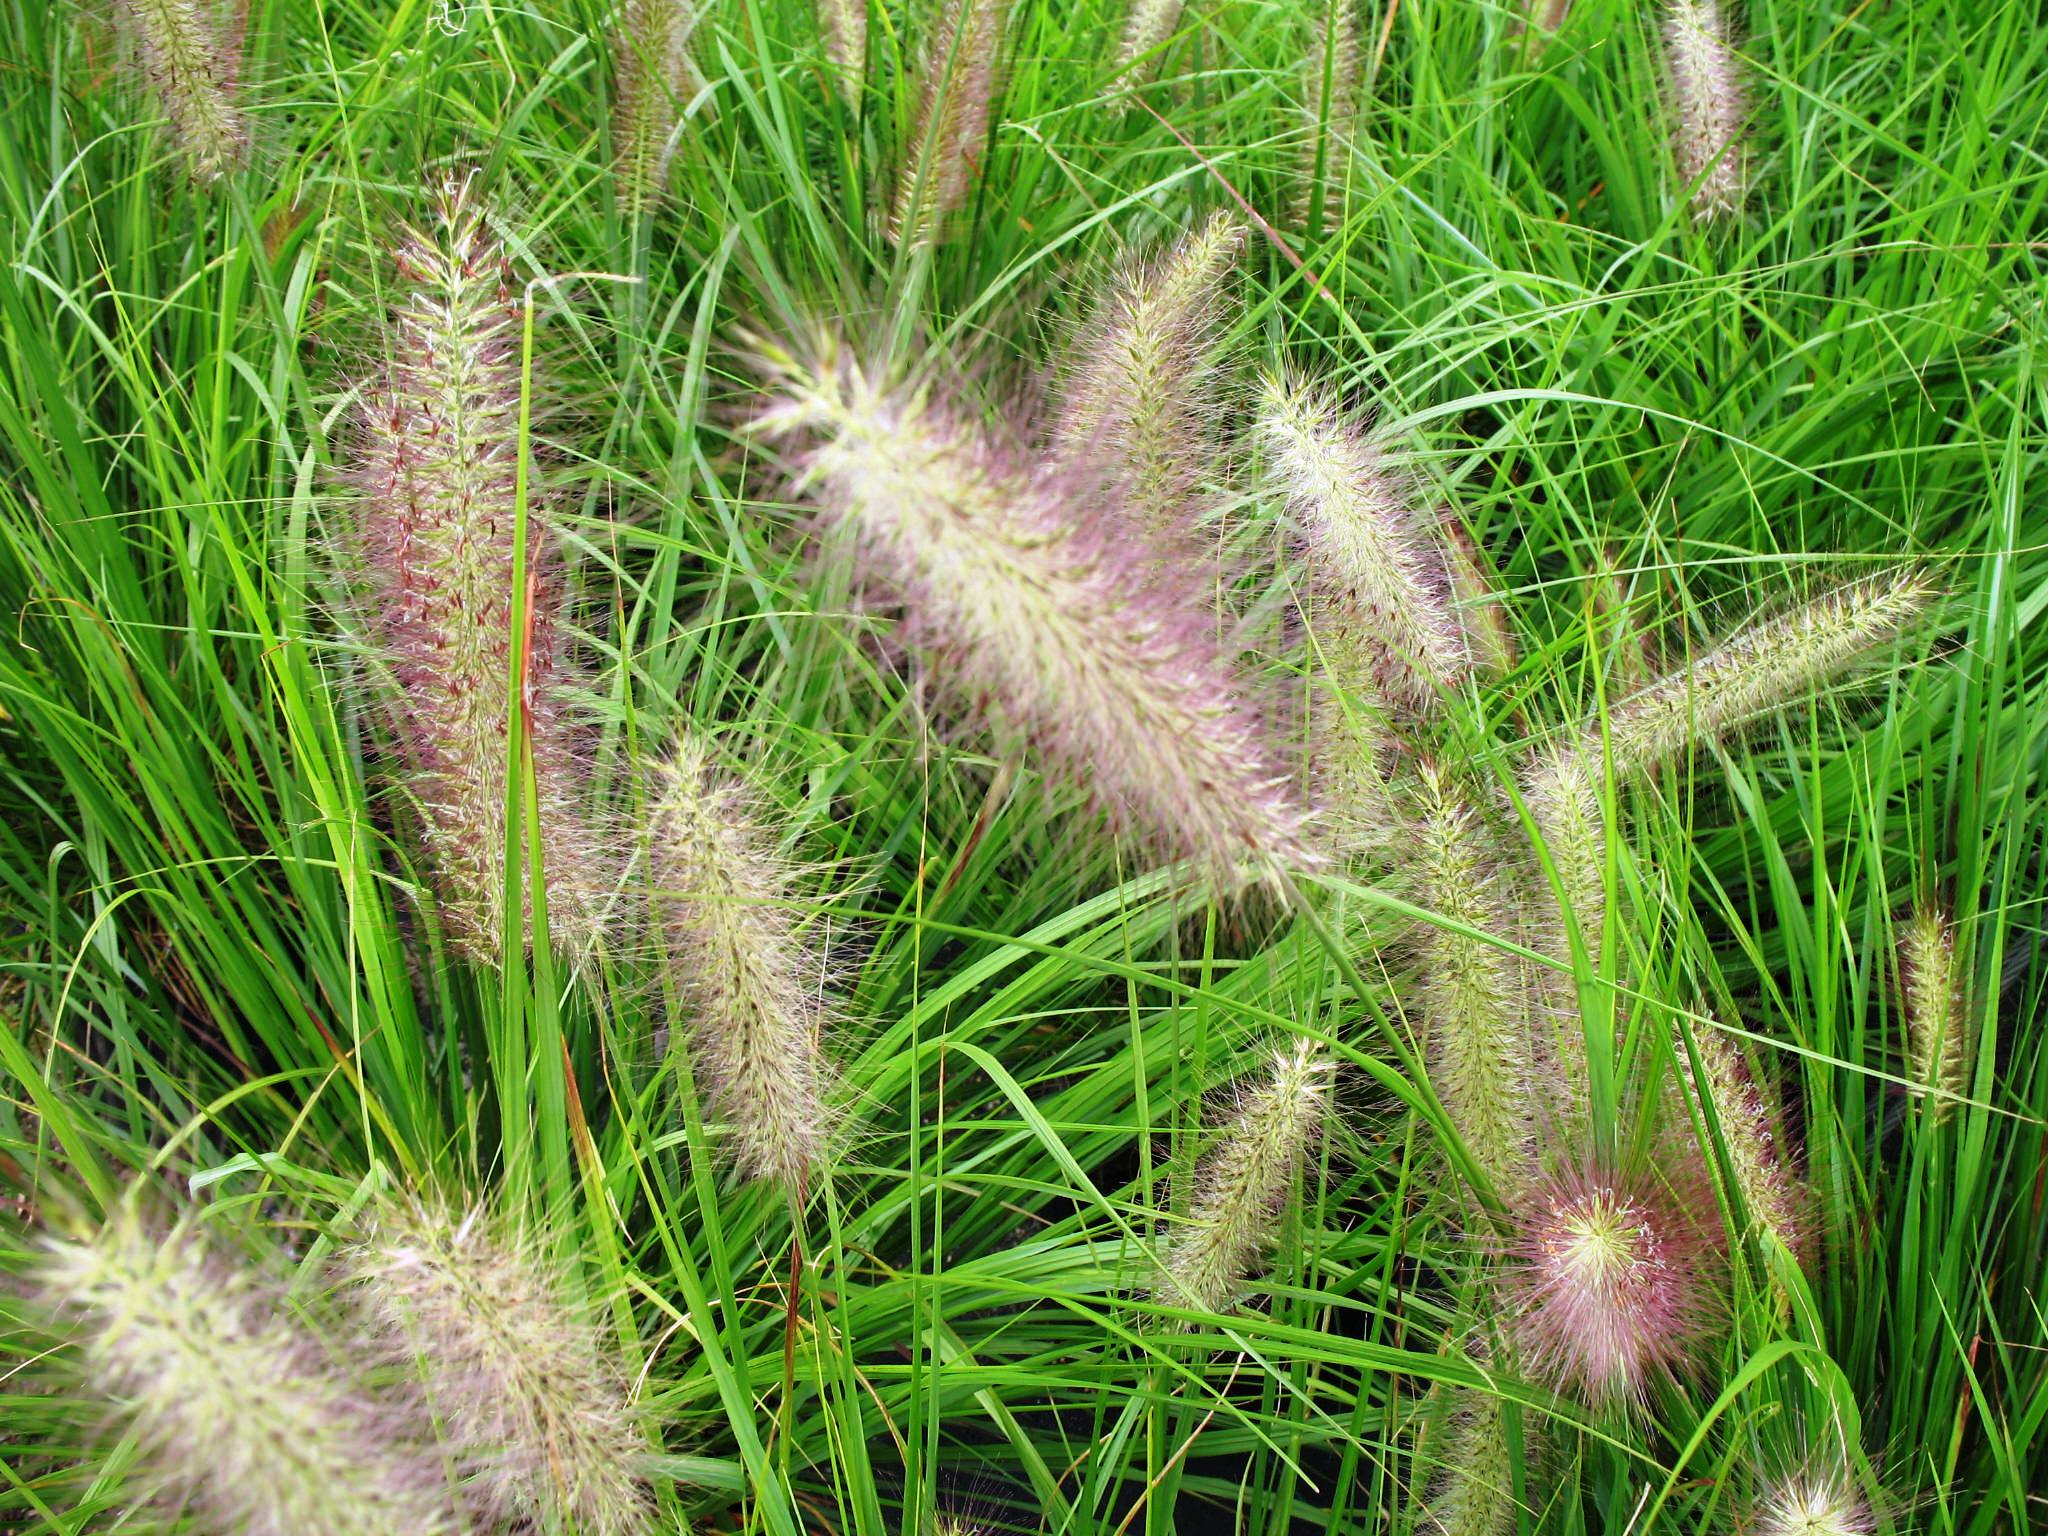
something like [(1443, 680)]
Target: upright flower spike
[(537, 1418), (1379, 580), (1146, 29), (1473, 1010), (1330, 78), (1707, 106), (1481, 610), (238, 1414), (1032, 592), (751, 979), (1242, 1187), (436, 469), (1937, 1009), (1752, 1125), (1476, 1493), (191, 62), (1140, 388), (656, 76), (960, 74), (843, 24), (1562, 792)]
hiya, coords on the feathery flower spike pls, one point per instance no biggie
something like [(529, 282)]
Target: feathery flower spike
[(959, 70), (538, 1419), (1472, 1003), (844, 26), (1752, 1124), (1243, 1185), (1140, 388), (656, 77), (191, 63), (1034, 593), (750, 976), (1561, 790), (1476, 1496), (1481, 610), (1330, 81), (238, 1413), (1937, 1008), (1707, 106), (436, 471), (1814, 1504), (1146, 29)]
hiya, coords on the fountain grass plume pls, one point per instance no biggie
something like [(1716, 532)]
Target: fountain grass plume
[(1561, 792), (1378, 578), (1813, 1503), (655, 76), (1474, 1013), (1027, 590), (1140, 387), (1708, 107), (535, 1414), (1332, 72), (1243, 1185), (1147, 27), (1936, 993), (1752, 1127), (843, 25), (238, 1413), (752, 981), (1478, 602), (960, 79), (1475, 1495), (436, 475), (191, 64)]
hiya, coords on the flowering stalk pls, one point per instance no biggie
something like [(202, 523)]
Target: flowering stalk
[(237, 1412), (1243, 1186), (1937, 1008), (1146, 29), (1140, 387), (1330, 82), (656, 76), (437, 469), (1752, 1128), (751, 979), (1707, 106), (844, 26), (537, 1418), (960, 75), (1562, 793), (1037, 599), (1476, 1496), (1481, 611), (191, 64)]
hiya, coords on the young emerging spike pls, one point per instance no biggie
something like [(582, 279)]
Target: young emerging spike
[(1140, 386), (1814, 1504), (1476, 1494), (238, 1414), (1032, 591), (1606, 1282), (960, 78), (1937, 1008), (843, 24), (1330, 80), (1628, 651), (1707, 106), (1481, 610), (751, 979), (1752, 1124), (656, 77), (191, 62), (538, 1419), (1473, 1009), (1379, 579), (1243, 1186), (436, 470), (1146, 29)]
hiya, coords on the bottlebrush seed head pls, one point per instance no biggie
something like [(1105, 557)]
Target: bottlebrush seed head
[(960, 82), (1031, 591), (1242, 1187), (1562, 794), (1937, 1008), (1476, 1495), (1330, 77), (436, 468), (1480, 607), (751, 979), (1814, 1504), (1140, 390), (191, 64), (1606, 1282), (239, 1415), (1146, 30), (538, 1420), (843, 24), (1708, 106), (656, 77), (1752, 1124)]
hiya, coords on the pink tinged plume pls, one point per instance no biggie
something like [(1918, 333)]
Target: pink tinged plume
[(436, 469), (1752, 1127), (1606, 1283), (960, 79), (1707, 106), (1029, 592), (191, 60)]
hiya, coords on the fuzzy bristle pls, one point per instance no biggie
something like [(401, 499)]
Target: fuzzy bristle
[(960, 71), (535, 1416), (1562, 794), (1708, 106), (1146, 29), (1752, 1125), (1937, 1009), (1477, 600), (656, 77), (843, 24), (237, 1411), (436, 471), (1814, 1504), (751, 980), (1030, 591), (1243, 1185), (1331, 74), (1475, 1495), (1140, 388), (191, 63)]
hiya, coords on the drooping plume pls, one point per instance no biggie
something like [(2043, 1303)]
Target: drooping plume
[(1937, 1008), (1330, 78), (537, 1418), (1606, 1284), (238, 1413), (1476, 1494), (1146, 29), (1243, 1185), (959, 71), (843, 24), (1140, 388), (436, 469), (1707, 106), (1029, 590), (656, 78), (1474, 1013), (191, 59), (1752, 1124), (750, 978)]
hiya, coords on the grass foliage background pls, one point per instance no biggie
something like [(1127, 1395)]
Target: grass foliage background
[(216, 967)]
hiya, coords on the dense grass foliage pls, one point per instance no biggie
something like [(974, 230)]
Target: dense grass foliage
[(235, 1005)]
